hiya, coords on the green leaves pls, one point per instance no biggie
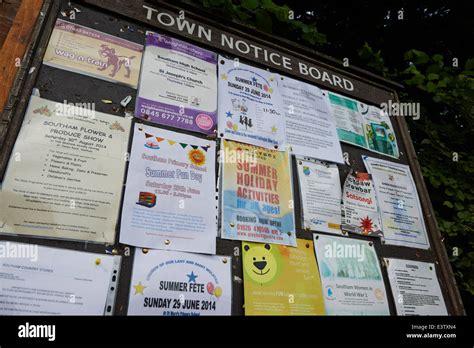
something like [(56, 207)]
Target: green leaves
[(265, 15)]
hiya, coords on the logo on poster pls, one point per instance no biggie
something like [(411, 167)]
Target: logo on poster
[(204, 121)]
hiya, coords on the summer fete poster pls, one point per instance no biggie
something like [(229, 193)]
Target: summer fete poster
[(64, 178), (400, 209), (178, 85), (86, 51), (38, 280), (281, 280), (320, 191), (415, 287), (360, 213), (250, 105), (170, 195), (180, 284), (257, 198), (351, 277), (310, 128)]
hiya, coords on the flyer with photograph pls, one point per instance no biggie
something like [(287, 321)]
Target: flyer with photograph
[(399, 205), (257, 197), (350, 275), (310, 128), (250, 105), (65, 175), (171, 283), (349, 123), (415, 287), (320, 192), (178, 85), (170, 194), (38, 280), (379, 131), (90, 52), (281, 280), (360, 213)]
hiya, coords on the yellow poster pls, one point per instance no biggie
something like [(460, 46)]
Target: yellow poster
[(281, 280), (90, 52)]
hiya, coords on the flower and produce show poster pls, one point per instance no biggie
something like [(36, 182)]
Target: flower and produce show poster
[(178, 85), (281, 280), (170, 195), (351, 277), (360, 213), (174, 283), (64, 178), (250, 105), (257, 199), (86, 51), (400, 209)]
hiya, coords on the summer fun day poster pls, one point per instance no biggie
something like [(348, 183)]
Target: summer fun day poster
[(172, 283), (178, 85), (281, 280), (257, 198), (64, 179), (250, 105), (350, 275), (170, 203), (87, 51)]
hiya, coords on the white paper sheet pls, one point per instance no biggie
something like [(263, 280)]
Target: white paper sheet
[(65, 175), (399, 205), (250, 105), (350, 275), (415, 287), (170, 195), (38, 280), (310, 128), (180, 284), (320, 191)]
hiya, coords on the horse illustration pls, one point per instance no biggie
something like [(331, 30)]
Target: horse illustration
[(115, 61)]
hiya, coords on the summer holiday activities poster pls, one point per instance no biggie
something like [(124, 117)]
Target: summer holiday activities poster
[(257, 199)]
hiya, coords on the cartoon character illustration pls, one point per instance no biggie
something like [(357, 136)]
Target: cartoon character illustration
[(115, 61), (116, 126), (197, 157), (260, 264)]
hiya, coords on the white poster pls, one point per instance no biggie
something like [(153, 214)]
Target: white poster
[(170, 194), (379, 132), (351, 277), (360, 213), (178, 85), (64, 178), (310, 128), (415, 287), (250, 105), (38, 280), (173, 283), (320, 190), (402, 218)]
